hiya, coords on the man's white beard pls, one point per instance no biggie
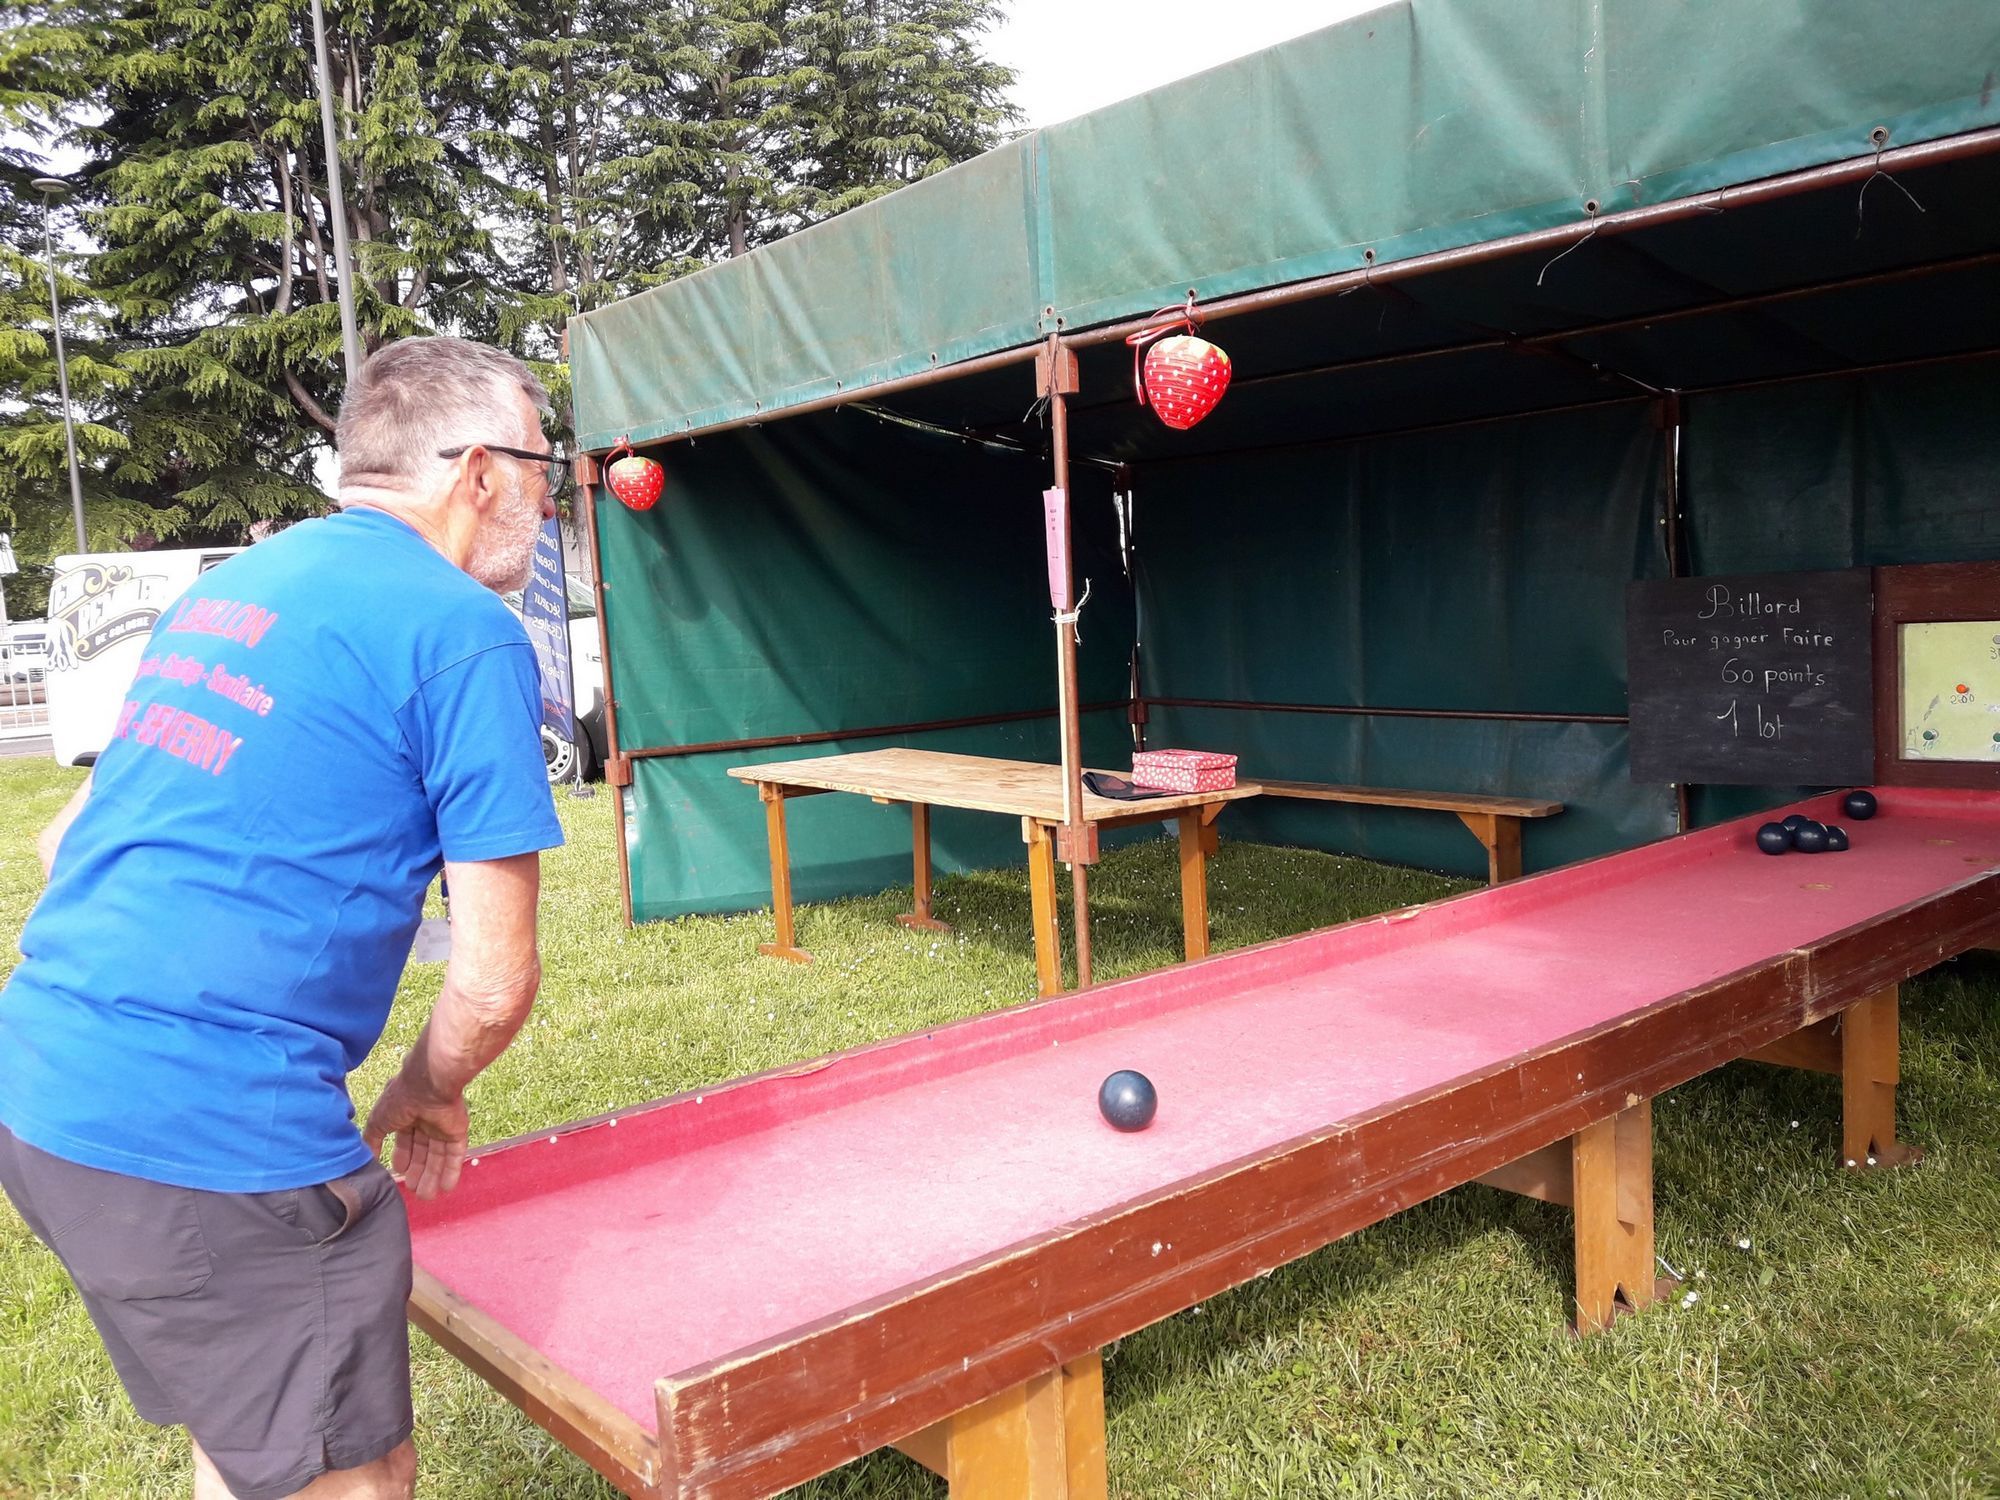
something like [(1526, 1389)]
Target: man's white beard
[(504, 551)]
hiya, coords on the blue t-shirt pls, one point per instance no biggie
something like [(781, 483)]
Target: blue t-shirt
[(315, 726)]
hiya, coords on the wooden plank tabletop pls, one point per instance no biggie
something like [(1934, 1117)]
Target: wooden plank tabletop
[(1024, 788)]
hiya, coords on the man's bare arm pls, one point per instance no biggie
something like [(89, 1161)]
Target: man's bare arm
[(489, 989), (50, 838)]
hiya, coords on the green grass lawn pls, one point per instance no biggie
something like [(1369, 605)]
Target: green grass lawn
[(1852, 1348)]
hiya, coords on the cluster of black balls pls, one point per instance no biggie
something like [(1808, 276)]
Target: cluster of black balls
[(1802, 834), (1808, 837)]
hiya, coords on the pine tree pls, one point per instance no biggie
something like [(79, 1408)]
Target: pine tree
[(506, 163), (785, 112), (34, 471), (911, 95), (204, 340)]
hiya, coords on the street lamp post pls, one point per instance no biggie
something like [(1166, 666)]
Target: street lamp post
[(350, 338), (54, 189)]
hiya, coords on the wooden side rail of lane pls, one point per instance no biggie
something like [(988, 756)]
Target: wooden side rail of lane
[(1494, 821)]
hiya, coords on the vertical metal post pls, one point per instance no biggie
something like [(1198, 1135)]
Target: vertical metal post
[(350, 337), (617, 768), (52, 188), (1670, 419), (11, 696), (1060, 382)]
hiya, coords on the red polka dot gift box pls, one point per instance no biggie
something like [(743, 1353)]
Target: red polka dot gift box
[(1183, 770)]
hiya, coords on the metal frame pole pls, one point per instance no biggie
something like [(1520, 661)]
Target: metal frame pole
[(617, 766), (1076, 830), (350, 338)]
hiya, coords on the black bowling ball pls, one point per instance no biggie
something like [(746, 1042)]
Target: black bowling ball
[(1127, 1100)]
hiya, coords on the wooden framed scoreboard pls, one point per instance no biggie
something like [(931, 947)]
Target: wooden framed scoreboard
[(1888, 675), (1937, 650)]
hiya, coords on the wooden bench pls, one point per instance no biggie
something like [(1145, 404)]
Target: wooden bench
[(1494, 821)]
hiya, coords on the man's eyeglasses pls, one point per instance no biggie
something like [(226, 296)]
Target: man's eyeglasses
[(556, 473)]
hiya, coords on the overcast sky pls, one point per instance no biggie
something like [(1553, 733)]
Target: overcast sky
[(1074, 55)]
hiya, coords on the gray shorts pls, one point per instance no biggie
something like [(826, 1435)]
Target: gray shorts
[(270, 1325)]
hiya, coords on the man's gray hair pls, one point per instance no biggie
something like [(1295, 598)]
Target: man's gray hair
[(417, 396)]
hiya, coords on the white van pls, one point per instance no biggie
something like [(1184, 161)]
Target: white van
[(102, 607), (580, 760), (24, 651)]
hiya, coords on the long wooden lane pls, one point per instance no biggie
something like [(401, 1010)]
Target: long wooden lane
[(862, 1246)]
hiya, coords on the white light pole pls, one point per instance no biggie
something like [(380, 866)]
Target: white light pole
[(7, 566), (53, 190), (350, 338)]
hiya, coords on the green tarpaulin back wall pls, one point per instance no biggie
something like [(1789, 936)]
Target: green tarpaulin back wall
[(839, 572), (1487, 570), (1422, 126), (1483, 569)]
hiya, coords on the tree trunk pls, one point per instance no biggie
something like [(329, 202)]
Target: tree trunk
[(281, 169), (586, 257), (309, 204), (738, 212), (552, 185)]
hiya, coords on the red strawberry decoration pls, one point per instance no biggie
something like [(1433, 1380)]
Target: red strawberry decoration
[(1180, 376), (1184, 378), (636, 481)]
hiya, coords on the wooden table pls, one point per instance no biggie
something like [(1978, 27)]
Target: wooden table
[(1028, 790)]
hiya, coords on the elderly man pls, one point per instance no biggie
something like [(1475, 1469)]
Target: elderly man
[(316, 727)]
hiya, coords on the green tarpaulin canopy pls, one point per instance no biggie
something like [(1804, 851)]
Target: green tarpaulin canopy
[(1525, 300)]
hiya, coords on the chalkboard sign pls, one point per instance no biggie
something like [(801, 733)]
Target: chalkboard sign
[(1763, 679)]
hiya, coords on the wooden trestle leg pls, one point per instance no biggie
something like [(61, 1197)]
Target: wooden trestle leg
[(919, 916), (786, 947), (1862, 1046), (1194, 840), (1040, 1441), (1500, 835), (1042, 901), (1604, 1174)]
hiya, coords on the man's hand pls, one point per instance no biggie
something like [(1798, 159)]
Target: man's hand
[(430, 1135), (489, 988)]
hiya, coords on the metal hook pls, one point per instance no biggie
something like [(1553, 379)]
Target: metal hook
[(1070, 616), (1880, 137), (1367, 282), (1162, 323), (1589, 208)]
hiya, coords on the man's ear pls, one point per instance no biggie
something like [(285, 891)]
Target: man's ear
[(478, 482)]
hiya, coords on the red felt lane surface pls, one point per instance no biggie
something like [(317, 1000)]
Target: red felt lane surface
[(698, 1228)]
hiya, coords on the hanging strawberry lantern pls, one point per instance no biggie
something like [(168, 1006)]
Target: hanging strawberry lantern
[(636, 481), (1177, 374)]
